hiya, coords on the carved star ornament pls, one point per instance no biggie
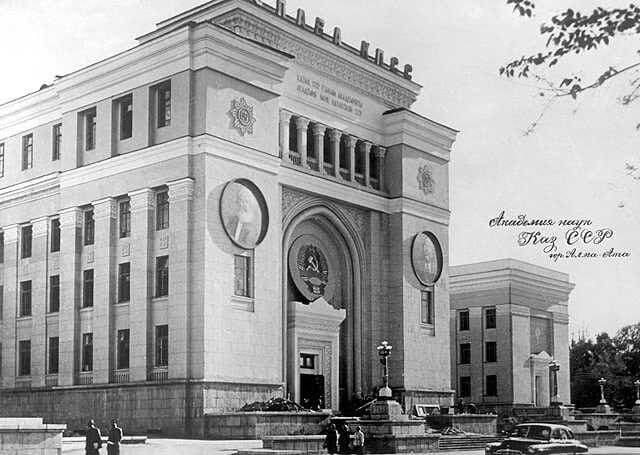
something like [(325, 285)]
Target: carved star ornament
[(242, 115)]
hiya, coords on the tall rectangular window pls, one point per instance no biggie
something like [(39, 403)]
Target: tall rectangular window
[(54, 293), (491, 385), (90, 129), (89, 227), (1, 159), (125, 107), (464, 320), (54, 356), (55, 235), (162, 276), (490, 351), (24, 358), (124, 275), (56, 148), (27, 152), (162, 210), (465, 353), (490, 318), (243, 276), (124, 228), (465, 386), (25, 298), (87, 288), (1, 247), (162, 345), (163, 104), (122, 361), (26, 238), (1, 301), (87, 352), (426, 306)]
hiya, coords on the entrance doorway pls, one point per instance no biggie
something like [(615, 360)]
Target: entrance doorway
[(539, 396), (312, 391)]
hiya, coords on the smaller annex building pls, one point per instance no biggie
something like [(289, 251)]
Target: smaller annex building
[(509, 335)]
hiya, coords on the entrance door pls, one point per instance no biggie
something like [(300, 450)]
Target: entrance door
[(312, 391), (539, 396)]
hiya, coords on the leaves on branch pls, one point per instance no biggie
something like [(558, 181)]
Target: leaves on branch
[(522, 7)]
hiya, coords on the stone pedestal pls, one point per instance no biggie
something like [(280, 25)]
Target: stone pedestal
[(636, 409), (603, 408), (386, 410), (29, 436)]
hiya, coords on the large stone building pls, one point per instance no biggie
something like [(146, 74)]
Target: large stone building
[(509, 332), (239, 207)]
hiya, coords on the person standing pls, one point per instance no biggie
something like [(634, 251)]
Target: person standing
[(331, 440), (115, 436), (93, 441), (358, 441), (344, 439)]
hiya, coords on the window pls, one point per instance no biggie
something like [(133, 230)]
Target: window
[(89, 227), (490, 351), (55, 235), (162, 210), (243, 276), (122, 362), (490, 318), (1, 301), (465, 386), (89, 129), (87, 288), (492, 385), (1, 159), (124, 219), (465, 353), (87, 352), (1, 247), (27, 152), (163, 100), (162, 345), (25, 298), (426, 306), (24, 358), (125, 106), (56, 148), (464, 320), (307, 361), (124, 274), (54, 347), (27, 237), (162, 276), (54, 294)]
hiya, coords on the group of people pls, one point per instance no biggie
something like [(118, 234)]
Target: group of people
[(338, 440), (94, 439)]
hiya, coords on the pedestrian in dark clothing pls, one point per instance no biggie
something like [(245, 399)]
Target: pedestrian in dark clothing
[(115, 436), (344, 438), (331, 440), (93, 441)]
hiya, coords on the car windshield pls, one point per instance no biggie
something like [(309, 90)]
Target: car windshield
[(540, 433)]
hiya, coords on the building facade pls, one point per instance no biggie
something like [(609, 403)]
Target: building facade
[(239, 207), (509, 335)]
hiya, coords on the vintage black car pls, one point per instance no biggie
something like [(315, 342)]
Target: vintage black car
[(541, 438)]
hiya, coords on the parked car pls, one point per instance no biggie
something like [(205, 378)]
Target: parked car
[(540, 438)]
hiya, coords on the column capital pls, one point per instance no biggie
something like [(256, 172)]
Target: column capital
[(302, 122), (11, 232), (318, 129), (104, 208), (40, 226), (181, 189), (351, 141), (142, 199), (367, 146), (71, 216), (335, 135), (381, 151), (285, 116)]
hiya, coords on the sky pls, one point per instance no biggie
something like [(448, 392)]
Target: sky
[(571, 166)]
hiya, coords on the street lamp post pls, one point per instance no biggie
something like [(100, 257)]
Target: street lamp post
[(384, 350), (636, 405), (601, 383), (554, 367)]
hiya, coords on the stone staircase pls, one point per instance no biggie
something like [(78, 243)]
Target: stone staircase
[(466, 442)]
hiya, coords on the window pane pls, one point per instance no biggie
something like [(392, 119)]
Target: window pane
[(491, 351), (123, 349), (464, 320), (243, 276), (162, 276), (54, 345), (54, 294), (124, 272), (55, 235), (465, 353), (164, 104), (87, 352), (125, 219), (24, 358), (57, 142), (162, 345), (426, 307), (126, 117), (2, 160), (87, 289), (492, 386), (90, 129), (89, 227), (27, 237), (27, 152), (490, 318), (25, 298), (162, 210)]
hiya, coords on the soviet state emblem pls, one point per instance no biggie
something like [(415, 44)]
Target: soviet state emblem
[(242, 115), (425, 180), (313, 269)]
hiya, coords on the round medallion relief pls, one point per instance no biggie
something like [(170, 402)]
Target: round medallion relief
[(426, 258), (309, 268), (244, 213)]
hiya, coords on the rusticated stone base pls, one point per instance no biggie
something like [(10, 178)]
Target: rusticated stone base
[(256, 425), (29, 436)]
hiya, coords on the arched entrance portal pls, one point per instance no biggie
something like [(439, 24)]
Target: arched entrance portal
[(322, 293)]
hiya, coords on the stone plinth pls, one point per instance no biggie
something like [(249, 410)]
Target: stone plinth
[(470, 423), (29, 436), (385, 410), (603, 408), (255, 425), (636, 409)]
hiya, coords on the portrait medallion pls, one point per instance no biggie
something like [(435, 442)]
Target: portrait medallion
[(309, 268), (426, 258), (244, 213)]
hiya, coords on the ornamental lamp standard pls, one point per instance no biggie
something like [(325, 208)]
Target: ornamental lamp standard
[(601, 383), (637, 385), (384, 350), (554, 367)]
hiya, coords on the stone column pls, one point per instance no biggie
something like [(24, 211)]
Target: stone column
[(301, 134), (351, 153), (70, 286), (285, 118), (142, 265), (335, 136), (39, 280), (180, 199), (318, 144), (8, 335), (104, 214), (366, 149), (380, 154)]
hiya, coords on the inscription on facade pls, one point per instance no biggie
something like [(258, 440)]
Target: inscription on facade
[(329, 95)]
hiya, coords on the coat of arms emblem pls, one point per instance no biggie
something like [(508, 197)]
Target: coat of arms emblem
[(425, 180), (313, 269), (242, 116)]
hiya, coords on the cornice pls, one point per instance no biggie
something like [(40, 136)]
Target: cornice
[(31, 190)]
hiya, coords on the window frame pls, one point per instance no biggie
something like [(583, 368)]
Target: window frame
[(54, 296), (24, 358), (461, 319), (494, 357), (490, 315), (465, 354), (124, 282), (125, 117), (123, 349), (27, 151), (53, 356), (86, 352), (161, 358), (1, 159), (26, 299), (463, 386), (88, 228), (162, 210), (494, 378), (428, 309), (87, 291), (26, 241), (56, 141), (163, 109), (90, 122), (162, 276), (55, 235), (124, 219), (247, 278)]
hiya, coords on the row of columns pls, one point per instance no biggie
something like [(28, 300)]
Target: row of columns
[(335, 136), (106, 257)]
